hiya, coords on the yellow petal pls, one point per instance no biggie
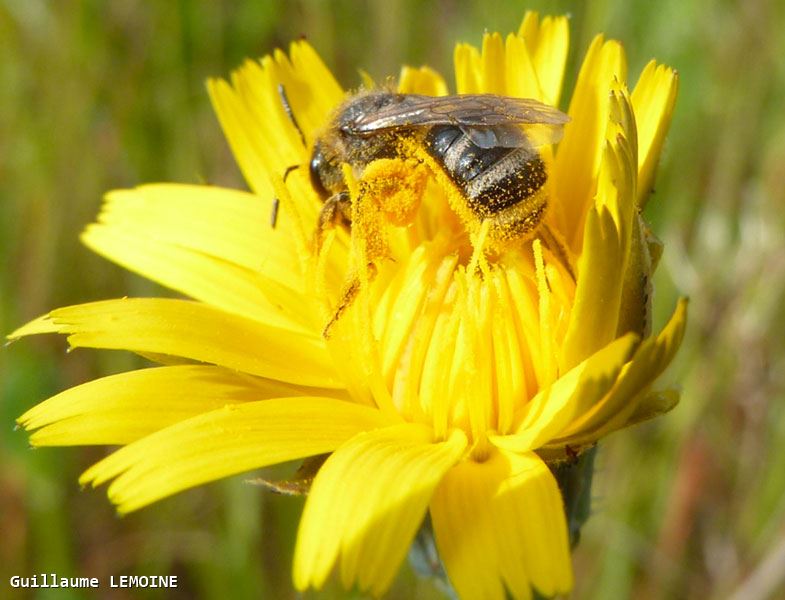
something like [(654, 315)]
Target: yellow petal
[(467, 70), (122, 408), (214, 245), (410, 368), (191, 330), (548, 42), (262, 107), (263, 138), (654, 98), (321, 94), (577, 161), (231, 225), (227, 441), (222, 285), (521, 77), (421, 81), (247, 144), (603, 265), (492, 64), (618, 174), (504, 67), (418, 276), (653, 404), (594, 316), (500, 525), (524, 297), (594, 320), (509, 355), (637, 292), (464, 532), (366, 504), (572, 395), (649, 361)]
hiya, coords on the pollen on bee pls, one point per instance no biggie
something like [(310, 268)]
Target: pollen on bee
[(396, 186)]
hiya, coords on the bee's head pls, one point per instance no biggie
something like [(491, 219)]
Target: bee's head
[(340, 143), (325, 171)]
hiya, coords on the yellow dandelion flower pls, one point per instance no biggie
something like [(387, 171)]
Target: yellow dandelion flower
[(459, 365)]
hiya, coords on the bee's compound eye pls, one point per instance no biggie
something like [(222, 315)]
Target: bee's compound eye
[(316, 169)]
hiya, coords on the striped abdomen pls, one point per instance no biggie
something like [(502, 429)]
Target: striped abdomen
[(498, 183)]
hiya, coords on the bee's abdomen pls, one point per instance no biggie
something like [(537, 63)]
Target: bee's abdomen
[(491, 179)]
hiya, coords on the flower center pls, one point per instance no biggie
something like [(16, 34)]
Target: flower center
[(439, 330)]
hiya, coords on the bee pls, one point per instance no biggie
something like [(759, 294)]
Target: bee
[(485, 145)]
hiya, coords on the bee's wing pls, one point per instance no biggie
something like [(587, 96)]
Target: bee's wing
[(532, 135), (467, 110), (489, 120), (506, 136)]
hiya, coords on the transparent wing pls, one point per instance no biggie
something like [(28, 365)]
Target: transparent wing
[(467, 110), (505, 136), (532, 135), (490, 121)]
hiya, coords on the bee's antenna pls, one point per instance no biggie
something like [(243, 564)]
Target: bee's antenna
[(276, 202), (289, 113)]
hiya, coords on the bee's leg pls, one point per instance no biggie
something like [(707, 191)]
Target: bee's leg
[(397, 186), (336, 210), (389, 193), (368, 242), (351, 290)]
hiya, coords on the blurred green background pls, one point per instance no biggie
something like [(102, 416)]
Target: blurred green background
[(97, 94)]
